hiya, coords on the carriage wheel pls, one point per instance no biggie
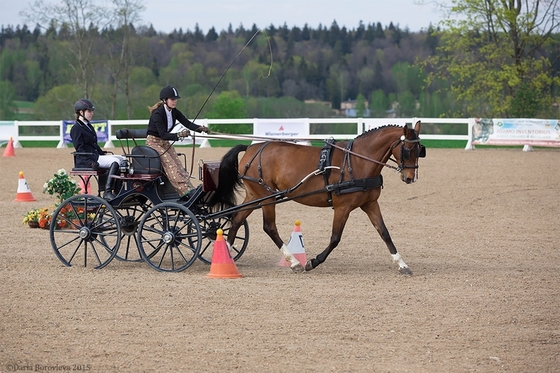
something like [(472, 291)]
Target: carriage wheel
[(209, 228), (85, 227), (129, 219), (169, 237)]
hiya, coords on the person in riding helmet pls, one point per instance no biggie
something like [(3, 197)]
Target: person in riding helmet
[(163, 116), (84, 139)]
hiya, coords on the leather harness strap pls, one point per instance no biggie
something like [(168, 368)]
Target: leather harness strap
[(324, 167)]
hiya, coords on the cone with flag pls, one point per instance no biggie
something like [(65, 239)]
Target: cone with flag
[(9, 151), (23, 192), (295, 245), (222, 265)]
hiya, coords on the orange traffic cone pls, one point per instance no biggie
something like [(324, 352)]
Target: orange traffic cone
[(222, 265), (23, 192), (9, 152), (295, 245)]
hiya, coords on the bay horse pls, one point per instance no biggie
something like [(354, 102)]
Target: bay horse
[(342, 175)]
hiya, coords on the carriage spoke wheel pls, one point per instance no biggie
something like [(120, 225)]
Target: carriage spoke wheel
[(85, 229), (129, 219), (209, 228), (169, 237)]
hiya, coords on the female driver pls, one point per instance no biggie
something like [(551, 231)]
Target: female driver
[(163, 116)]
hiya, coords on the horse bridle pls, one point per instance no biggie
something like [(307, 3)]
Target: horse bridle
[(419, 152)]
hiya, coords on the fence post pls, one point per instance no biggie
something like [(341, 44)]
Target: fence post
[(470, 145)]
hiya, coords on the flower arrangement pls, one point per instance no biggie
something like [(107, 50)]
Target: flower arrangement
[(61, 186), (38, 218), (31, 217)]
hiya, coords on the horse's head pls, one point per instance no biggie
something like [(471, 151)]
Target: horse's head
[(407, 150)]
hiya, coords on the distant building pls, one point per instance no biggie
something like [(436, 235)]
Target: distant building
[(349, 109)]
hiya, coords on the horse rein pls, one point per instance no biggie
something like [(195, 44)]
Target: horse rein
[(368, 158)]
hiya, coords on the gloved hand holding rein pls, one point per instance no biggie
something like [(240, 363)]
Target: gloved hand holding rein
[(183, 134)]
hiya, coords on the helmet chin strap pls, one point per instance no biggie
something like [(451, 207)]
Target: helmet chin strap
[(82, 116)]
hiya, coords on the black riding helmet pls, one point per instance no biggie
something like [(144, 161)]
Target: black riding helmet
[(168, 92), (83, 104)]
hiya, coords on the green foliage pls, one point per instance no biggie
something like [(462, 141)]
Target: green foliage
[(228, 105), (360, 106), (8, 108), (378, 104), (61, 186), (492, 59), (57, 103), (491, 52)]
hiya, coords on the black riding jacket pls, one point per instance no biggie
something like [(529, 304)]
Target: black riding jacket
[(84, 139), (157, 126)]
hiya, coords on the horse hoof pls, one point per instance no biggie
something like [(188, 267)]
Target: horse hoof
[(308, 265), (405, 271), (298, 268)]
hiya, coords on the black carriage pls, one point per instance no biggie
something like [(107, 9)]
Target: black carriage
[(146, 221)]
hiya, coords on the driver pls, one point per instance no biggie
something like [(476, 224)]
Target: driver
[(163, 116)]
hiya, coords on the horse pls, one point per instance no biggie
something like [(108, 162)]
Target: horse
[(342, 175)]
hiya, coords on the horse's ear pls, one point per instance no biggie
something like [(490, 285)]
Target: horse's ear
[(417, 127), (406, 130)]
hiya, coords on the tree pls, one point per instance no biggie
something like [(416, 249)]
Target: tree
[(378, 104), (360, 106), (228, 105), (493, 51), (126, 12), (57, 103), (80, 20), (8, 108)]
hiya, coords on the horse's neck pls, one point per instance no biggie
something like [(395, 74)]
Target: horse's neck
[(378, 143), (377, 146)]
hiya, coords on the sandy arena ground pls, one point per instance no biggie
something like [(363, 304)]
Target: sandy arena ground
[(480, 230)]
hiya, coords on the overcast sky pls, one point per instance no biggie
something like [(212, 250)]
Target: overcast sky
[(166, 15)]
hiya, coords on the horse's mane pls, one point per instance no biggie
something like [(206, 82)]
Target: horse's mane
[(370, 131)]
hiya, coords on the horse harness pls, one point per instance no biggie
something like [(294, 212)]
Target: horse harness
[(324, 167)]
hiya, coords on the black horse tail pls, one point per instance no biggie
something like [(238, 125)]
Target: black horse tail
[(228, 178)]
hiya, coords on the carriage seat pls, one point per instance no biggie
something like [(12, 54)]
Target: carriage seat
[(144, 159), (86, 173)]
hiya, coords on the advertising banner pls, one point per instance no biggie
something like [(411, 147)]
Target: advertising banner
[(7, 130), (283, 129), (101, 128), (536, 132)]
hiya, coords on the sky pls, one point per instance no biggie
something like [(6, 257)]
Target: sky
[(168, 15)]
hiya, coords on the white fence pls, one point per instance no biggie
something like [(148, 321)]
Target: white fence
[(12, 129)]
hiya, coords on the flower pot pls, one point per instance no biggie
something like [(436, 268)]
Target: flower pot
[(33, 224)]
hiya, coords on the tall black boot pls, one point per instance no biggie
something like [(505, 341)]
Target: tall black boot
[(113, 170)]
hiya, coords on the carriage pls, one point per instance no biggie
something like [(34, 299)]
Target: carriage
[(148, 222)]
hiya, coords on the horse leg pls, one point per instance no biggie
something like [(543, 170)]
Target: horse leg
[(374, 213), (237, 220), (339, 221), (269, 226)]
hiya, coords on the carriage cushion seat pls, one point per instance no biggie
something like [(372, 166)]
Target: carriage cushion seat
[(145, 160), (125, 133)]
